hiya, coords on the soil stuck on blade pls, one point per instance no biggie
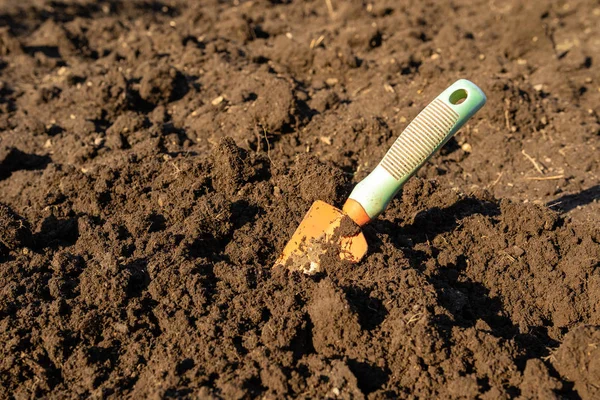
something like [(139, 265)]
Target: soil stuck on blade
[(347, 228), (308, 259), (312, 252)]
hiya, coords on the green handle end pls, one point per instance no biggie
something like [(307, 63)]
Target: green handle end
[(465, 98)]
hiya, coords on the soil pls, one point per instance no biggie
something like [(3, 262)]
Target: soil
[(155, 156)]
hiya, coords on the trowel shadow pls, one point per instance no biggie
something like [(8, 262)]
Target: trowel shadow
[(470, 304), (426, 225)]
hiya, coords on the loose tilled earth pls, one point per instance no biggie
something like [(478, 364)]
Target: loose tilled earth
[(156, 156)]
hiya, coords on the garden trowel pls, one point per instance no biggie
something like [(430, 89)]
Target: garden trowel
[(326, 227)]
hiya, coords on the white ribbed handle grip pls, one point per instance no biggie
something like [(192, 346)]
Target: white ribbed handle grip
[(420, 139)]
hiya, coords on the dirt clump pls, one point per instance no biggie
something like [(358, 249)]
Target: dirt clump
[(335, 327), (14, 230), (577, 360)]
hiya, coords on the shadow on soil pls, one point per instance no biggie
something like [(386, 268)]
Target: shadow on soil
[(426, 225), (17, 160), (467, 301), (568, 202)]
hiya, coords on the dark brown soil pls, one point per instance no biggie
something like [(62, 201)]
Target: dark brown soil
[(156, 156)]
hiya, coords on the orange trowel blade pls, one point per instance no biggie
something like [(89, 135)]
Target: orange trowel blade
[(317, 232)]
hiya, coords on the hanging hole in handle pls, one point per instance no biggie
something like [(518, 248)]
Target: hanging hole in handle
[(458, 96)]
